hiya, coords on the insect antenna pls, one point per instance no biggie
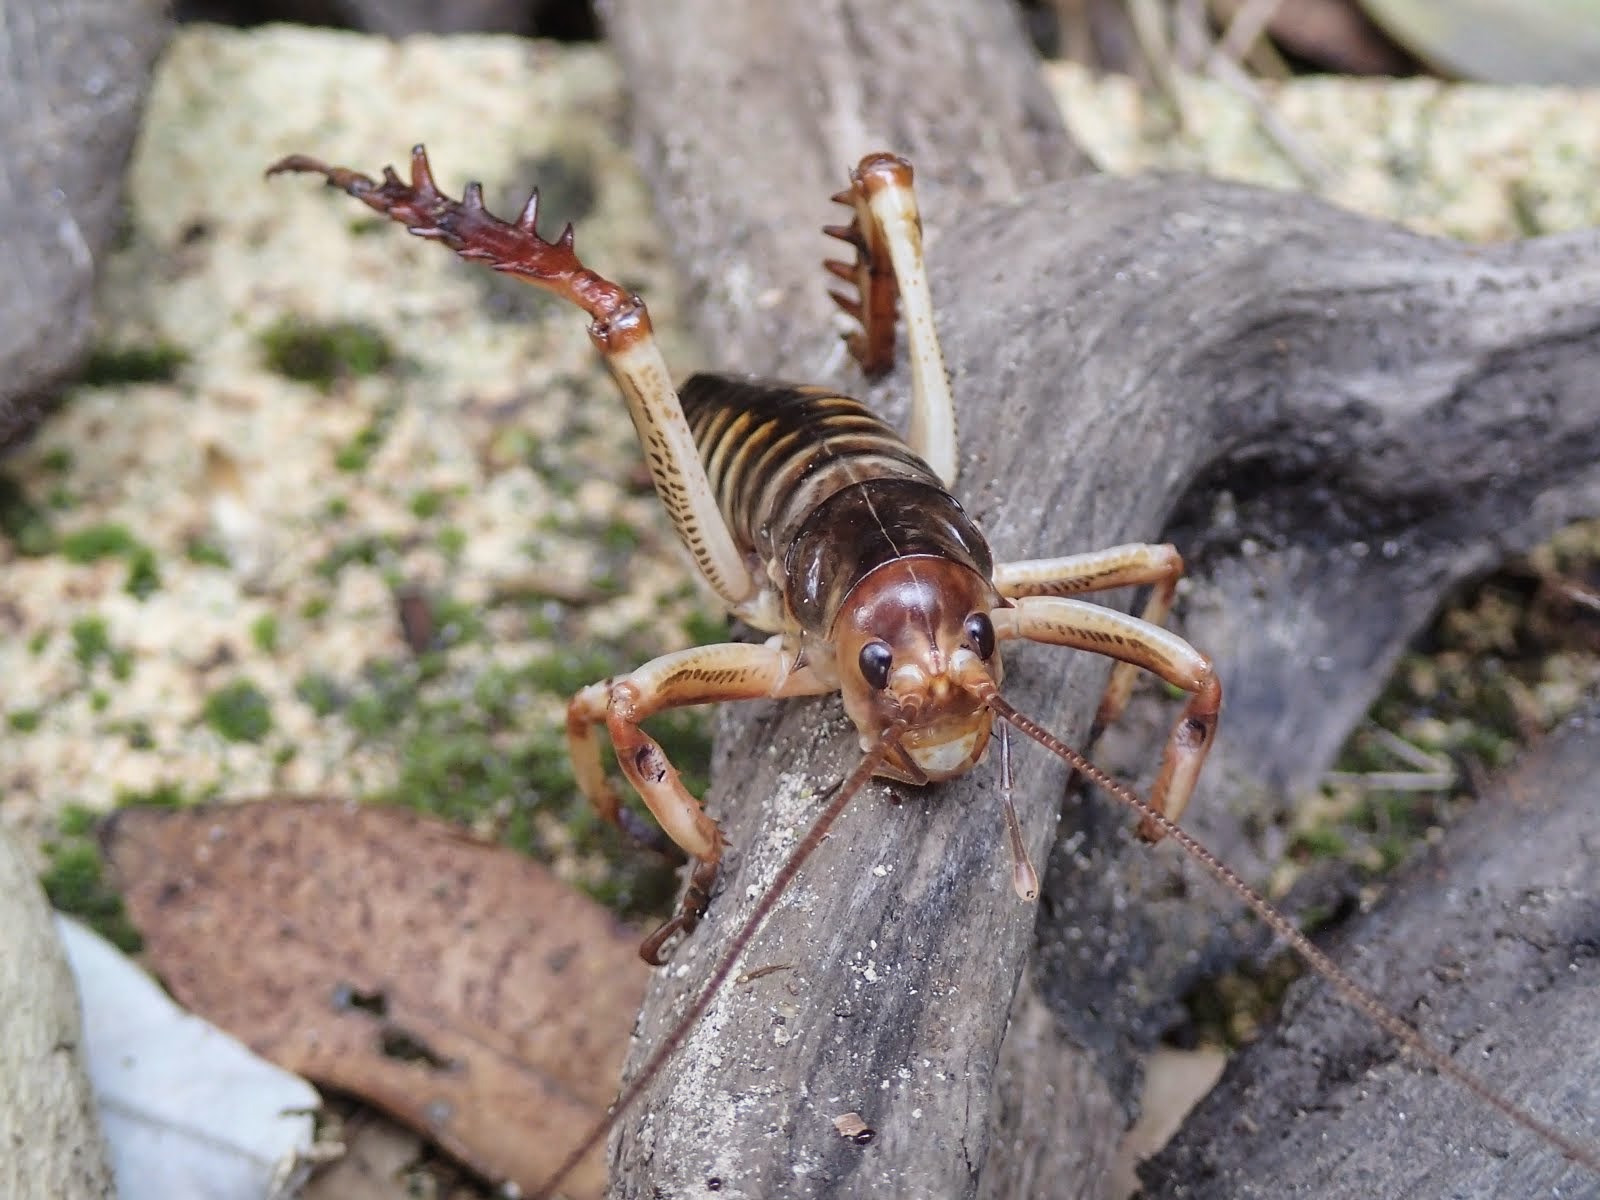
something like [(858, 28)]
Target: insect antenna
[(852, 784), (1353, 993)]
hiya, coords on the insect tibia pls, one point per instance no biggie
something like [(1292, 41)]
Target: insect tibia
[(476, 234), (871, 274)]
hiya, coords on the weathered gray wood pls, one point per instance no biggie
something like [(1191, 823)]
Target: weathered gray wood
[(72, 77), (1115, 345), (49, 1125), (1493, 942)]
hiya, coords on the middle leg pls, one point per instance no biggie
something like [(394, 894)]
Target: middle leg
[(1060, 621), (1139, 564)]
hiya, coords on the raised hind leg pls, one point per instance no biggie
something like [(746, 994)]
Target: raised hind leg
[(620, 329), (886, 231)]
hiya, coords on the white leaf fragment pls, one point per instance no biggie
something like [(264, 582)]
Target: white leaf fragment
[(187, 1110)]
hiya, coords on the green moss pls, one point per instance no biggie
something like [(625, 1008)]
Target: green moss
[(320, 693), (314, 608), (144, 577), (357, 453), (322, 355), (139, 736), (452, 541), (387, 700), (619, 537), (109, 540), (206, 553), (162, 795), (77, 820), (91, 645), (569, 668), (56, 460), (1319, 843), (26, 525), (457, 622), (38, 642), (155, 363), (91, 641), (366, 548), (24, 720), (427, 503), (264, 633), (74, 880), (239, 712), (704, 629)]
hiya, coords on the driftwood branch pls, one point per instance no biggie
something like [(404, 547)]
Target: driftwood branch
[(1388, 413), (1507, 969)]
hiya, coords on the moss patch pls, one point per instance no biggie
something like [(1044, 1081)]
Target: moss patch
[(323, 355), (158, 362), (26, 525), (74, 879), (239, 712)]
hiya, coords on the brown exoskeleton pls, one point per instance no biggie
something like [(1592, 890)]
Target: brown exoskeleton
[(814, 522)]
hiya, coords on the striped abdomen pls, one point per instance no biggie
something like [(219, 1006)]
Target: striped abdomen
[(817, 484)]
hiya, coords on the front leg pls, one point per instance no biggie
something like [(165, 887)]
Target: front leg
[(1059, 621), (701, 675)]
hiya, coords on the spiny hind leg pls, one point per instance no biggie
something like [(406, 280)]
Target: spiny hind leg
[(620, 329), (1060, 621), (886, 231), (1138, 564), (700, 675)]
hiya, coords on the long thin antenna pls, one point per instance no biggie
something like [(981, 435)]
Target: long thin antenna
[(852, 784), (1353, 993)]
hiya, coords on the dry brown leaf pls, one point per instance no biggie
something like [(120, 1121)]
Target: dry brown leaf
[(455, 984)]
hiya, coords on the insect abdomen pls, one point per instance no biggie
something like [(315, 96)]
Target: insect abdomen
[(820, 483)]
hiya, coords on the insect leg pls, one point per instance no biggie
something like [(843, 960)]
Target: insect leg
[(1139, 564), (886, 231), (1060, 621), (620, 329), (700, 675)]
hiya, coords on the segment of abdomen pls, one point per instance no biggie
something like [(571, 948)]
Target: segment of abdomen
[(774, 452)]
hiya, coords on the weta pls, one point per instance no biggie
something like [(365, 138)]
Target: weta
[(815, 523)]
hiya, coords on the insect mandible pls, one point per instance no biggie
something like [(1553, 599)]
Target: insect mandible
[(814, 522)]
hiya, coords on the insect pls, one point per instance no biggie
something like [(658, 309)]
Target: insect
[(818, 525)]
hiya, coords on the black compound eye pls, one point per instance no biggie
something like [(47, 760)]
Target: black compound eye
[(980, 632), (875, 660)]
